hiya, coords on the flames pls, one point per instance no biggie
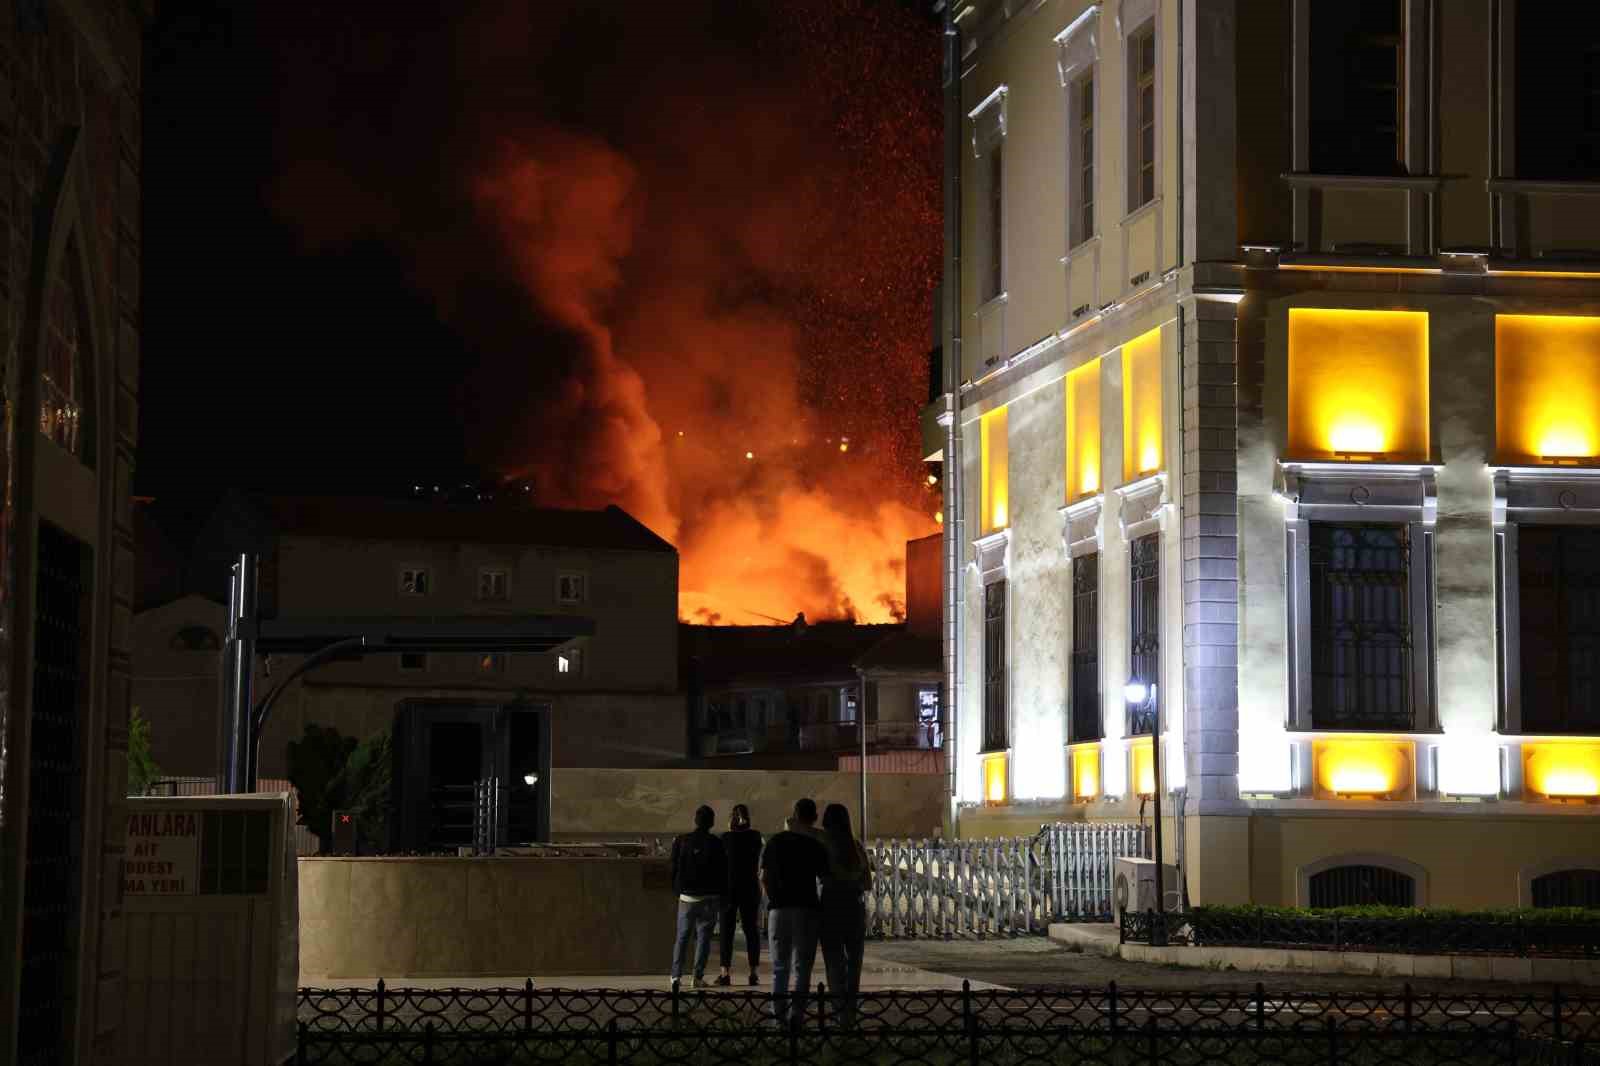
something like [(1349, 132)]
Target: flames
[(694, 246)]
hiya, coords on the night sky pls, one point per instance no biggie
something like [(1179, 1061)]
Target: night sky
[(676, 257)]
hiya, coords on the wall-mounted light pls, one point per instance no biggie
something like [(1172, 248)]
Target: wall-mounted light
[(1085, 772), (994, 778), (1364, 768), (1469, 766), (530, 779), (1562, 771)]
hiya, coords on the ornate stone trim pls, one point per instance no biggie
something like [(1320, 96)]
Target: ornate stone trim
[(988, 122), (1080, 526), (1145, 506), (1078, 46), (1551, 494), (991, 556), (1379, 492)]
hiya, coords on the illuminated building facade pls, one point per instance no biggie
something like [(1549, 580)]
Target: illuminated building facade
[(1277, 388)]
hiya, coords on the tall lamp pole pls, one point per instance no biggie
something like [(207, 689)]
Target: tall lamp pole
[(1142, 699)]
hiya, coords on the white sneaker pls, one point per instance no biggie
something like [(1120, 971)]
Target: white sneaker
[(672, 986)]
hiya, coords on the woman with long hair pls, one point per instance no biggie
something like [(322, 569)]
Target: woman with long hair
[(742, 900), (844, 910)]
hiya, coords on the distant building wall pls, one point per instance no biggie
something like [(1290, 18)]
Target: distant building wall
[(590, 803), (924, 596), (175, 683)]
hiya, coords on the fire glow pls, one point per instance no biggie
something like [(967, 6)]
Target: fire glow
[(714, 320)]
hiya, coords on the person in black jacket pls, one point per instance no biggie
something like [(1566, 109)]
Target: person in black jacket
[(699, 876), (790, 866), (743, 898)]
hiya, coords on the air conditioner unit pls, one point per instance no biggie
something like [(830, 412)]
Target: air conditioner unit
[(1133, 886)]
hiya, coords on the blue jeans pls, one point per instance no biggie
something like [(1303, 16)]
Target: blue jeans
[(792, 938), (699, 919)]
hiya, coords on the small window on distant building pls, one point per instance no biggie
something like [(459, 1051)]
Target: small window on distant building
[(571, 588), (415, 581), (492, 662), (494, 584), (413, 660), (569, 661), (195, 638)]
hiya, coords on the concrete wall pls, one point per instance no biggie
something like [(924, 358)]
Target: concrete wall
[(1470, 860), (176, 689), (592, 803), (507, 917)]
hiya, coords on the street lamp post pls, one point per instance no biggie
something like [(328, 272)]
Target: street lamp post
[(1143, 700)]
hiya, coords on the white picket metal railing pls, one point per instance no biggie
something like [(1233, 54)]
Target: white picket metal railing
[(1003, 887)]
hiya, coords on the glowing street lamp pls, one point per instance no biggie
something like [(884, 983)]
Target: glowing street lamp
[(530, 779), (1142, 703)]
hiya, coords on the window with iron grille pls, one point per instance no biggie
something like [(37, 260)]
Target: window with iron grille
[(996, 726), (53, 864), (571, 588), (1567, 888), (1142, 138), (1361, 886), (1357, 80), (1080, 195), (1361, 647), (1086, 647), (1558, 573), (1557, 93), (414, 581), (994, 273), (1144, 633)]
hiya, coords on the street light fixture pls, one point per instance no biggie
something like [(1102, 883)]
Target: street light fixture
[(1142, 704), (530, 779)]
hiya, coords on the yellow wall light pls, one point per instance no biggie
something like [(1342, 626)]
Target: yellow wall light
[(1364, 768), (1085, 772), (1083, 431), (996, 460), (994, 778), (1144, 768), (1547, 388), (1141, 405), (1358, 384), (1562, 771)]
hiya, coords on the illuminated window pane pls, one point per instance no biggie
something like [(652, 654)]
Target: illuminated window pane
[(1547, 388), (1358, 384), (1141, 406), (1083, 431), (996, 458)]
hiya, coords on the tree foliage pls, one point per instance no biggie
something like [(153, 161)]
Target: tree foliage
[(314, 763), (142, 768)]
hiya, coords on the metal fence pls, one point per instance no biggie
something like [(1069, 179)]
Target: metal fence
[(1006, 887), (1421, 935), (1109, 1025)]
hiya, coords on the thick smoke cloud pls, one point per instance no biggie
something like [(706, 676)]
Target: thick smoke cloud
[(693, 244)]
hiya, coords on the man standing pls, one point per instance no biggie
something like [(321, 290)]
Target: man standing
[(790, 866), (699, 874)]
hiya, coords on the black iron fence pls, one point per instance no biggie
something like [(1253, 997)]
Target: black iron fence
[(1421, 935), (1109, 1025)]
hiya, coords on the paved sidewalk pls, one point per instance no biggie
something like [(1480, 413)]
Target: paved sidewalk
[(879, 974)]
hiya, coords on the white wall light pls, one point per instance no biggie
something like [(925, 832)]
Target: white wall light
[(1265, 764), (1114, 765), (1469, 766)]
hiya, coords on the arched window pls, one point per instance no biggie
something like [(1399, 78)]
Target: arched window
[(195, 638), (1361, 885), (63, 380), (1567, 888)]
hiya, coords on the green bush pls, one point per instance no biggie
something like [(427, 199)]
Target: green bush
[(142, 768), (1527, 915)]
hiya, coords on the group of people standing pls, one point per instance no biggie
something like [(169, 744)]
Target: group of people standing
[(815, 882)]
